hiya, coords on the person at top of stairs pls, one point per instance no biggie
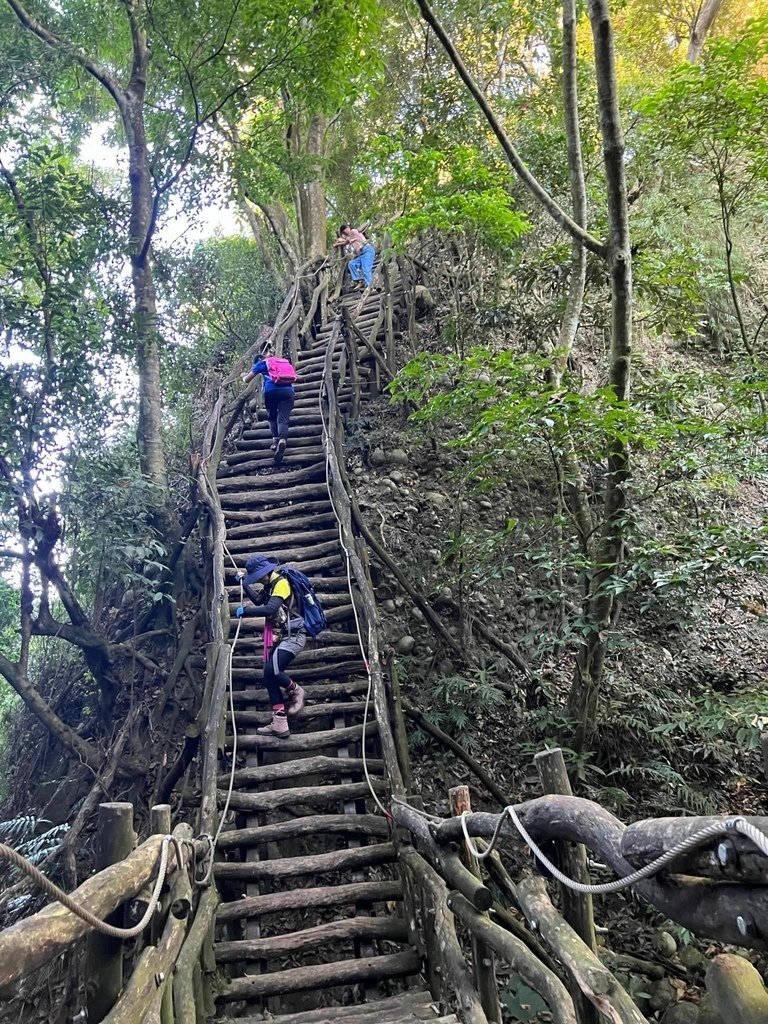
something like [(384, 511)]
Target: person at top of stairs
[(279, 395), (361, 267), (285, 636)]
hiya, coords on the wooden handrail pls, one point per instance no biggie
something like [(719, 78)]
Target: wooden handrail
[(36, 940)]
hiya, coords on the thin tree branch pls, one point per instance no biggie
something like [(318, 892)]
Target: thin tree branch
[(57, 43), (532, 183)]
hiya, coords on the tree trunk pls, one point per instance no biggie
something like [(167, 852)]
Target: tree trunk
[(256, 224), (315, 235), (574, 486), (130, 104), (702, 23), (150, 426), (282, 229), (600, 601)]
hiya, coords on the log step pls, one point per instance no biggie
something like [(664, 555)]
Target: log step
[(265, 528), (337, 609), (402, 1009), (308, 740), (312, 674), (310, 825), (329, 600), (344, 972), (344, 930), (258, 465), (319, 764), (317, 691), (337, 896), (286, 511), (312, 864), (302, 674), (332, 585), (310, 656), (304, 796), (313, 654), (269, 495), (315, 471), (309, 711)]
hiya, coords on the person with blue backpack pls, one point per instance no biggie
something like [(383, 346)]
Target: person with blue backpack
[(279, 396), (291, 611)]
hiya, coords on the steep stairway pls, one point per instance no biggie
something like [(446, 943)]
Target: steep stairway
[(310, 919)]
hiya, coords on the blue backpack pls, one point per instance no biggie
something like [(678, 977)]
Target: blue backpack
[(309, 606)]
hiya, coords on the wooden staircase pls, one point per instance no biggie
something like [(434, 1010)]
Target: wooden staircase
[(310, 918)]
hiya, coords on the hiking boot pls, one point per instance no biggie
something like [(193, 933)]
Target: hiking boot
[(277, 458), (294, 699), (277, 727), (273, 446)]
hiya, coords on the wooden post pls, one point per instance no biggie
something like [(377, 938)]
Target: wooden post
[(354, 374), (160, 820), (482, 955), (389, 328), (764, 749), (577, 907), (398, 725), (160, 824), (104, 955)]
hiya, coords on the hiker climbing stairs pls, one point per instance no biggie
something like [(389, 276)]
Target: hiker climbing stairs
[(310, 918)]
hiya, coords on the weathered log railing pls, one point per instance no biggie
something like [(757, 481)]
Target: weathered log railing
[(119, 894), (719, 891)]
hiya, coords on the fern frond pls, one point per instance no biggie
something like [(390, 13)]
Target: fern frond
[(18, 830)]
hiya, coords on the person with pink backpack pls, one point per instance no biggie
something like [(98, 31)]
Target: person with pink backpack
[(279, 396)]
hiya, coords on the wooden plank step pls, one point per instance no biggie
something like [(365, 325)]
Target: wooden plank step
[(338, 896), (308, 740), (341, 613), (310, 521), (286, 510), (401, 1009), (310, 655), (287, 551), (300, 418), (343, 972), (302, 673), (336, 585), (308, 712), (329, 598), (319, 764), (392, 928), (237, 501), (258, 437), (315, 471), (369, 825), (337, 609), (320, 554), (244, 449), (311, 864), (304, 796), (256, 465), (317, 691)]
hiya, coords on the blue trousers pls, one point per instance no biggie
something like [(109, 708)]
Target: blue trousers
[(361, 267)]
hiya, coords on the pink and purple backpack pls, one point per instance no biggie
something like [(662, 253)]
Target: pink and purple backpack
[(280, 370)]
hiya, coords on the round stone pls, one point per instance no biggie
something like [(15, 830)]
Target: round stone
[(405, 645)]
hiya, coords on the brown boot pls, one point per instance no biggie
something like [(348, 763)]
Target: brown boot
[(277, 727), (294, 699)]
